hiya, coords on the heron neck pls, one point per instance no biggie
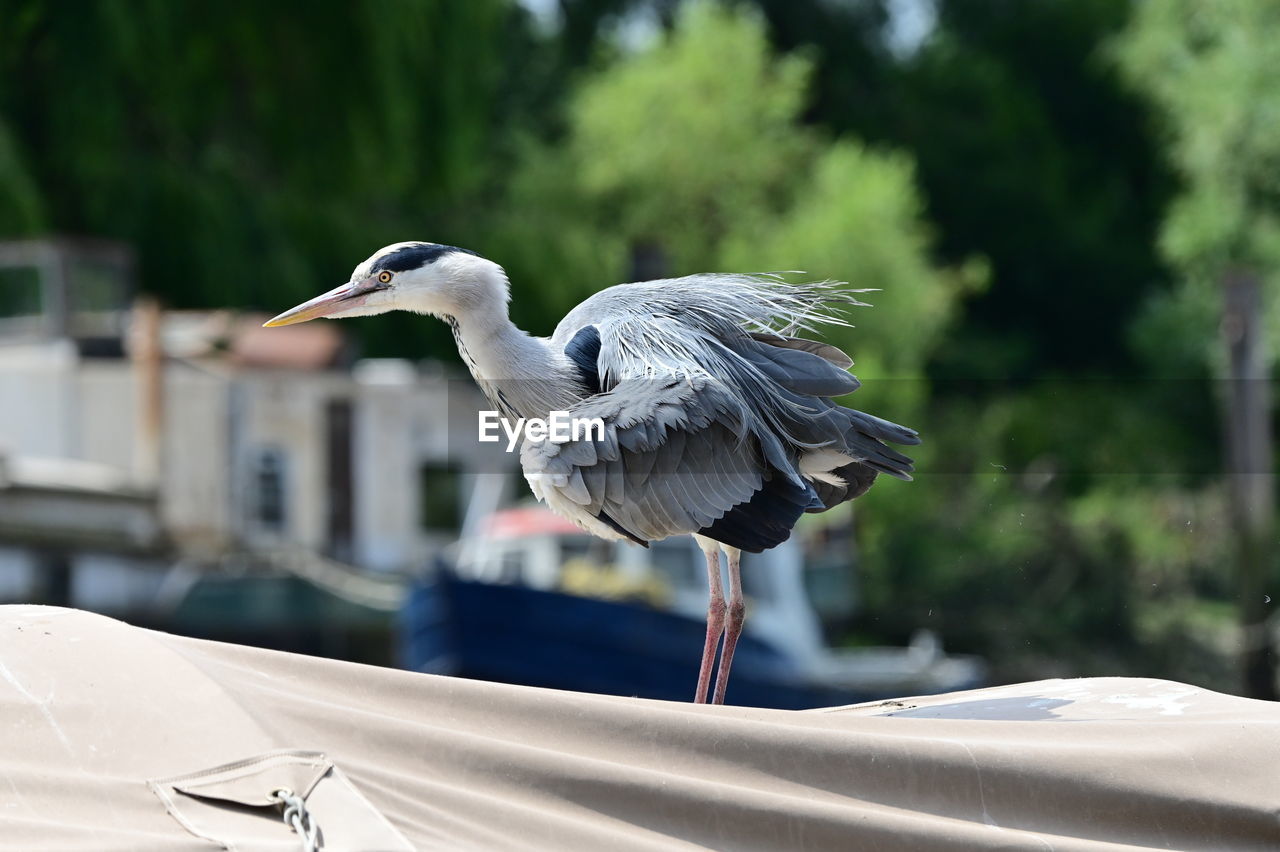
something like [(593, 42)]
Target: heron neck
[(522, 376)]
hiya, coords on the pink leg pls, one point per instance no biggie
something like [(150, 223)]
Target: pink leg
[(715, 623), (737, 614)]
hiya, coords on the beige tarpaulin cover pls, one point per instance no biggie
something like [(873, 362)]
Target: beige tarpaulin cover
[(122, 738)]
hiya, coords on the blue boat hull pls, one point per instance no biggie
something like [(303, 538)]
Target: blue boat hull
[(515, 634)]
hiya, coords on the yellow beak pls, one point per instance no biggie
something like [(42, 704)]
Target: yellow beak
[(339, 300)]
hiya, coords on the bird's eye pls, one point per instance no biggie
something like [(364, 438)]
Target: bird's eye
[(384, 277)]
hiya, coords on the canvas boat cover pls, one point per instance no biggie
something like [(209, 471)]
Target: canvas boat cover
[(121, 738)]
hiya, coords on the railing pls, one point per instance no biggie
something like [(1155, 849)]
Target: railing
[(384, 593)]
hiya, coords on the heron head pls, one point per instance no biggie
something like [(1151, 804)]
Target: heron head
[(426, 278)]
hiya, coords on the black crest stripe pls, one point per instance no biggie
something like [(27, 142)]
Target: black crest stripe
[(414, 257)]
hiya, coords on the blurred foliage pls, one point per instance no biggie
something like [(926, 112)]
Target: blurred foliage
[(644, 153), (1031, 154), (1017, 541), (254, 151), (1036, 156), (682, 142), (999, 184), (1214, 70)]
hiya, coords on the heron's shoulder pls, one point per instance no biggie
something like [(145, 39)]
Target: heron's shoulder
[(605, 307)]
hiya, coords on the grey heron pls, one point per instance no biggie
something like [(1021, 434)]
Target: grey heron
[(718, 418)]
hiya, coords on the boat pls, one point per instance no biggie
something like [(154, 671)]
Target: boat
[(530, 599)]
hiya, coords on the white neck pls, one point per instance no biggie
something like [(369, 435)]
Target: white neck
[(522, 376)]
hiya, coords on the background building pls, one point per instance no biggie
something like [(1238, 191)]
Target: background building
[(143, 453)]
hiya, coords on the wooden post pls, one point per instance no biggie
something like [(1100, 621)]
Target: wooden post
[(1247, 417), (146, 351)]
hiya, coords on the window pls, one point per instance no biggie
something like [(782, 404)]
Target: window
[(594, 551), (756, 582), (269, 490), (20, 301), (674, 561), (511, 568), (440, 490)]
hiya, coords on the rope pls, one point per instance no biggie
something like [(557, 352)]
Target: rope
[(298, 817)]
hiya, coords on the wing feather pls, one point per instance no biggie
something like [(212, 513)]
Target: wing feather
[(709, 402), (815, 347), (680, 485)]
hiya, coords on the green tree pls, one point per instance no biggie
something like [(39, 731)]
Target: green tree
[(1214, 71), (254, 151), (1030, 152), (697, 148)]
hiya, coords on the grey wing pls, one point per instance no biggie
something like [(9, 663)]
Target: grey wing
[(718, 420), (673, 455)]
